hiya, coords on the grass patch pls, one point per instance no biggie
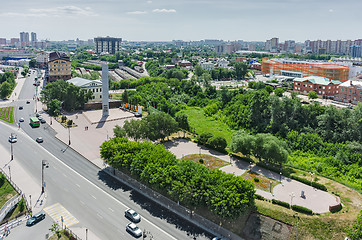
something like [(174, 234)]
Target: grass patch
[(261, 182), (207, 160), (6, 190), (6, 114), (202, 124)]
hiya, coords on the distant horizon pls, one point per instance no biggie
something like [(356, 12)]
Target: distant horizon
[(161, 20)]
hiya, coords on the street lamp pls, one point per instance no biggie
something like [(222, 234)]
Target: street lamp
[(69, 133), (30, 203), (44, 163), (12, 151), (292, 195), (311, 176), (9, 172), (281, 178), (297, 217)]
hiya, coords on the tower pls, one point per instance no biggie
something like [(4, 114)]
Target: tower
[(105, 90)]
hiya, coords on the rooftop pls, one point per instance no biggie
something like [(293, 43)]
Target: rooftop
[(318, 80), (81, 82)]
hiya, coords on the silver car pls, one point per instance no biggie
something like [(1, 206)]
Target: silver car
[(132, 215), (134, 230)]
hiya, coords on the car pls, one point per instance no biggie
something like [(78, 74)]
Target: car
[(27, 102), (42, 120), (138, 115), (132, 215), (35, 219), (20, 107), (13, 139), (21, 120), (218, 238), (37, 115), (134, 230), (39, 140)]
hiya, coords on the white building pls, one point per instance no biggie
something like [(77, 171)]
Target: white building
[(207, 65), (222, 62), (94, 86)]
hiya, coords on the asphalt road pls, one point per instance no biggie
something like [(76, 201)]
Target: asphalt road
[(90, 195)]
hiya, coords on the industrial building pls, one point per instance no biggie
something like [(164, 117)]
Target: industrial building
[(300, 69)]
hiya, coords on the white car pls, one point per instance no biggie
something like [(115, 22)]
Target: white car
[(132, 215), (134, 230)]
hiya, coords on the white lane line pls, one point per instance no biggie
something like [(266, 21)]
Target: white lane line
[(65, 175), (77, 185), (81, 202), (111, 209), (99, 215), (93, 196)]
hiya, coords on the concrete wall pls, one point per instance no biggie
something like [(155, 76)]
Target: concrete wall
[(98, 105)]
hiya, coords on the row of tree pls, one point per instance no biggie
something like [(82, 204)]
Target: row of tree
[(189, 183), (7, 84)]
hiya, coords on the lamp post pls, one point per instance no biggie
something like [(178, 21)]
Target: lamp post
[(69, 133), (311, 176), (9, 172), (86, 234), (44, 163), (292, 195), (12, 151), (297, 217), (30, 203), (281, 178)]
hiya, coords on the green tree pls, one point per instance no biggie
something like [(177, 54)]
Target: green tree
[(119, 132), (203, 138), (355, 232), (218, 143), (32, 63), (241, 70), (312, 95), (182, 120), (242, 142), (279, 92), (5, 89), (198, 70), (54, 107)]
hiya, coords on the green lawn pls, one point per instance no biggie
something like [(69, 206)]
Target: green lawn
[(202, 124), (6, 114), (6, 190)]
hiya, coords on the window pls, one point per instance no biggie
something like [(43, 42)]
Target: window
[(97, 90)]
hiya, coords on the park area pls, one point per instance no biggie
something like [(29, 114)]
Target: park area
[(6, 114)]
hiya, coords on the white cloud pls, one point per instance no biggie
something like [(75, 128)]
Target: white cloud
[(149, 1), (330, 10), (66, 10), (137, 12), (164, 10), (14, 14)]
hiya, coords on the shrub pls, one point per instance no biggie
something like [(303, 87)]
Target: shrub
[(204, 137), (313, 184), (302, 209), (218, 143), (64, 118), (259, 197), (201, 161), (281, 203), (21, 205), (70, 122), (256, 179)]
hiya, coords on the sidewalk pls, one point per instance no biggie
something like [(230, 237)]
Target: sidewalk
[(289, 191)]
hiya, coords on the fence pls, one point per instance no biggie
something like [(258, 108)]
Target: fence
[(9, 205), (69, 233), (172, 206)]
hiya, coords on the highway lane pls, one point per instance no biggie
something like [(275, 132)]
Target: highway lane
[(103, 213)]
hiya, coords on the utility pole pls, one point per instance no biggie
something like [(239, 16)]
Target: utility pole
[(12, 151), (44, 163), (69, 133)]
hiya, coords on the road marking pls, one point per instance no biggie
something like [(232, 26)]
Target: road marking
[(94, 197), (81, 202), (77, 185), (99, 215), (100, 189), (58, 212), (111, 209), (65, 175)]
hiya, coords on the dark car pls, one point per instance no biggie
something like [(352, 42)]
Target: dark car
[(27, 102), (132, 215), (42, 120), (21, 108), (35, 219)]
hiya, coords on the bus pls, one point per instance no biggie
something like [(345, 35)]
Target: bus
[(34, 122)]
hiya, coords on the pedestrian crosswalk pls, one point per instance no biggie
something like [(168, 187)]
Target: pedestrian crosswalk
[(61, 215)]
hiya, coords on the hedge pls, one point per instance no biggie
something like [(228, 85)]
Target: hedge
[(270, 166), (302, 209), (281, 203), (259, 197), (308, 182)]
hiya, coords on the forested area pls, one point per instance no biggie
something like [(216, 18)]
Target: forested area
[(192, 184), (323, 139)]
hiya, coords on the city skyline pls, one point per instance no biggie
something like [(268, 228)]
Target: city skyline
[(160, 20)]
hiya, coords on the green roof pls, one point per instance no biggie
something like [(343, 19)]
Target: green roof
[(318, 80)]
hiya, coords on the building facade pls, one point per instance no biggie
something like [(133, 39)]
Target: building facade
[(59, 67), (350, 92), (95, 86), (295, 68), (107, 45), (322, 86)]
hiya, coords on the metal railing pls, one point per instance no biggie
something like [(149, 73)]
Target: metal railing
[(9, 205)]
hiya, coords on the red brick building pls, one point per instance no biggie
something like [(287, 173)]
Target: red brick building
[(350, 92), (322, 86)]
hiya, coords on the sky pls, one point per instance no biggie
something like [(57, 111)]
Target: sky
[(167, 20)]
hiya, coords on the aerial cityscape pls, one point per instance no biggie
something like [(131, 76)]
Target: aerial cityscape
[(181, 120)]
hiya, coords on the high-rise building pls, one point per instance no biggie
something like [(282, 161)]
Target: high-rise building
[(24, 39), (355, 51), (2, 41), (107, 44), (14, 41), (33, 37)]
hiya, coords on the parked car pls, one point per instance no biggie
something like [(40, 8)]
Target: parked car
[(134, 230), (37, 115), (21, 120), (132, 215), (39, 140), (42, 120), (27, 102), (20, 107), (218, 238), (35, 219)]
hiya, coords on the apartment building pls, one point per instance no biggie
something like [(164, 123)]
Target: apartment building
[(350, 92), (322, 86), (109, 45), (59, 66)]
